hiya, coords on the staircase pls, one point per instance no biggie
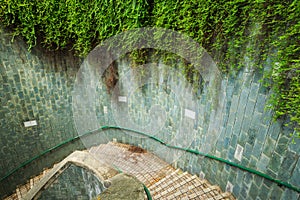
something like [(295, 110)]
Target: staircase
[(163, 181), (22, 190)]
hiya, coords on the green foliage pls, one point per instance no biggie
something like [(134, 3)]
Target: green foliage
[(139, 57), (286, 71), (229, 30), (72, 23)]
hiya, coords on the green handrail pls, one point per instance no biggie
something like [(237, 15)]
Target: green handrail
[(149, 197), (193, 151)]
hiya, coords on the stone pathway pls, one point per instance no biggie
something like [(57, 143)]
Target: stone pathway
[(163, 181)]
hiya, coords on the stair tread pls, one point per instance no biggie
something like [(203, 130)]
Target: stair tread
[(184, 187), (173, 184), (165, 179)]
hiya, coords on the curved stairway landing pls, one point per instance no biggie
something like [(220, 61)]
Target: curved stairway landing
[(163, 181)]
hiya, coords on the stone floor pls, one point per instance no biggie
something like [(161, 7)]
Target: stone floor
[(162, 180)]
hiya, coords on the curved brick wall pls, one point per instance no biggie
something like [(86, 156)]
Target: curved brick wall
[(38, 85), (243, 124), (33, 86)]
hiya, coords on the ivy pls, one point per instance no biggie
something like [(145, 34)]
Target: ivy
[(286, 72), (229, 30), (79, 25)]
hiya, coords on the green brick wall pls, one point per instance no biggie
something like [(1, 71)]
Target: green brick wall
[(35, 85)]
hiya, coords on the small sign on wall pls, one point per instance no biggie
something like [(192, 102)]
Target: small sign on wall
[(30, 123), (202, 175), (189, 113), (122, 99), (239, 152), (105, 109), (229, 187)]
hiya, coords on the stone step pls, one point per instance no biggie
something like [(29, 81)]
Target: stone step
[(166, 179), (190, 189), (205, 193), (94, 149), (184, 188), (170, 187), (225, 195), (180, 186), (151, 178)]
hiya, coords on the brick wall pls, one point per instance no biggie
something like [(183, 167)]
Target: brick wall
[(37, 86)]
